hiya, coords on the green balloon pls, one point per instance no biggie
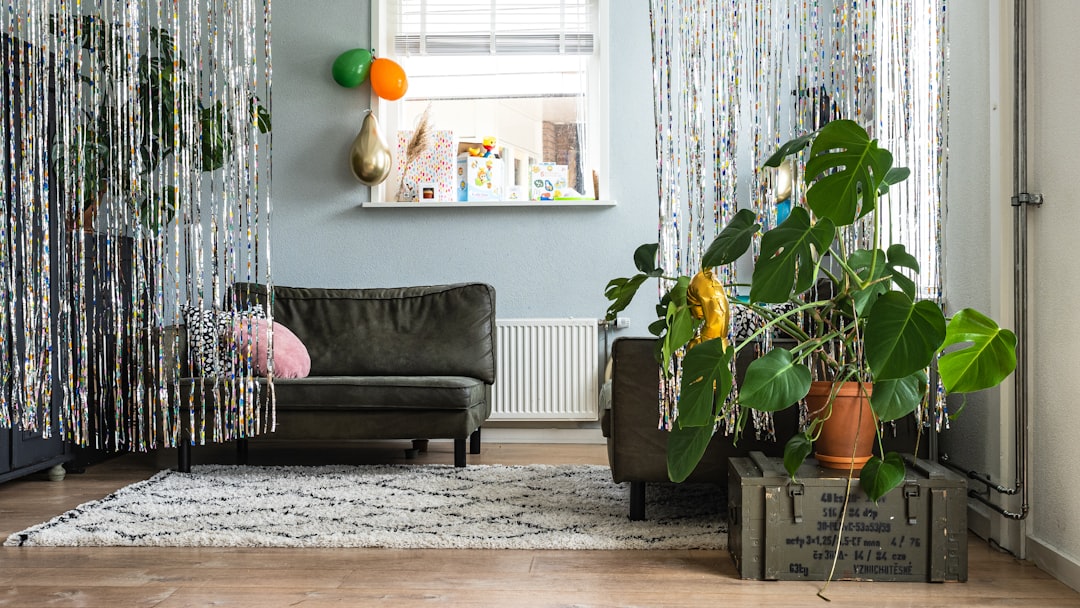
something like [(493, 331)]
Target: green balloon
[(351, 67)]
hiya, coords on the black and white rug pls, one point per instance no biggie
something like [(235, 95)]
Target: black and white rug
[(398, 506)]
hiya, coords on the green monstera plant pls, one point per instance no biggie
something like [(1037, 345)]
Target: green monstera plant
[(852, 315)]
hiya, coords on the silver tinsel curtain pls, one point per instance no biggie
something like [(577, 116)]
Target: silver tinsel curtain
[(733, 79), (135, 187)]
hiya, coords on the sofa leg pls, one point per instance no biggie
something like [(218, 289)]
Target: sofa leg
[(459, 452), (242, 451), (637, 500), (474, 442), (420, 445), (183, 456)]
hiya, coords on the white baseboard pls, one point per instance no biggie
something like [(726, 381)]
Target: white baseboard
[(1054, 562), (978, 520), (549, 435)]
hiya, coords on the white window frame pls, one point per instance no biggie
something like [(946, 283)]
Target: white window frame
[(597, 95)]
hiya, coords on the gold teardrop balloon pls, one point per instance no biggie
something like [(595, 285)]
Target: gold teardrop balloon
[(785, 178), (370, 156)]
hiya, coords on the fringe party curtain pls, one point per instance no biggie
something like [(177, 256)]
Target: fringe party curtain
[(733, 79), (135, 190)]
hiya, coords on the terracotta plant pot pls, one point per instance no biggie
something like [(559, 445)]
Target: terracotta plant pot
[(851, 424)]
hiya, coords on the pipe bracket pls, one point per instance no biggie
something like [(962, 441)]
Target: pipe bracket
[(1026, 198)]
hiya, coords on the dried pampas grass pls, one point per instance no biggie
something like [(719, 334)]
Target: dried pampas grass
[(419, 144)]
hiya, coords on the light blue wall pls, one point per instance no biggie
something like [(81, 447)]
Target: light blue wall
[(543, 262)]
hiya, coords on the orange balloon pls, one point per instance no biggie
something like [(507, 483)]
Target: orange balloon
[(388, 79)]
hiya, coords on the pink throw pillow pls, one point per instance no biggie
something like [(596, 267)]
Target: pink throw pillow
[(291, 358)]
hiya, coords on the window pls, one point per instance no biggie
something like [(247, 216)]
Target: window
[(527, 73)]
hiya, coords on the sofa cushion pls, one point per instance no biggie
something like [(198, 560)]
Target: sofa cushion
[(445, 330), (378, 392), (291, 359)]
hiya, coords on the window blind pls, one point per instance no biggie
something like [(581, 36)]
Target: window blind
[(493, 27)]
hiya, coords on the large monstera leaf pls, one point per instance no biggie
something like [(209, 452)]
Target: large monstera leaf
[(902, 336), (792, 248), (686, 446), (774, 381), (894, 399), (988, 358), (845, 171), (706, 379)]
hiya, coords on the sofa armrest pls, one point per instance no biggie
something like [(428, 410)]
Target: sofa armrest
[(637, 448)]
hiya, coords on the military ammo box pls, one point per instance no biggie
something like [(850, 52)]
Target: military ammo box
[(779, 529)]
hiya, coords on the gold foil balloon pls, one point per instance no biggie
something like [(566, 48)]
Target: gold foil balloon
[(370, 156), (707, 300), (785, 177), (785, 180)]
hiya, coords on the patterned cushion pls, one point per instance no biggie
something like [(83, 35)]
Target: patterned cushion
[(744, 321), (210, 335)]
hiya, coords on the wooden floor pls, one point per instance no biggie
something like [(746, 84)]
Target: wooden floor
[(170, 577)]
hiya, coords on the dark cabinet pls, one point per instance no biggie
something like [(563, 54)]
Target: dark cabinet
[(22, 451), (31, 449), (5, 451)]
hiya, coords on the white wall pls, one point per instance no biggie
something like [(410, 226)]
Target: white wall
[(979, 255), (1055, 288), (977, 241)]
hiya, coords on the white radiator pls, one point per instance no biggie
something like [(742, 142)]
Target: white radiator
[(547, 369)]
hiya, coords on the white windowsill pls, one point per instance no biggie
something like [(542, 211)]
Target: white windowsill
[(466, 205)]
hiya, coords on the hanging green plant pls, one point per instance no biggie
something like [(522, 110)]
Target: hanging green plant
[(166, 94)]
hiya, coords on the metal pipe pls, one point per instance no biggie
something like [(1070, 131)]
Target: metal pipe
[(974, 475), (1020, 252), (1001, 510)]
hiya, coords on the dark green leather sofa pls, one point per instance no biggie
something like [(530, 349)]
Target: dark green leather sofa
[(396, 363)]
